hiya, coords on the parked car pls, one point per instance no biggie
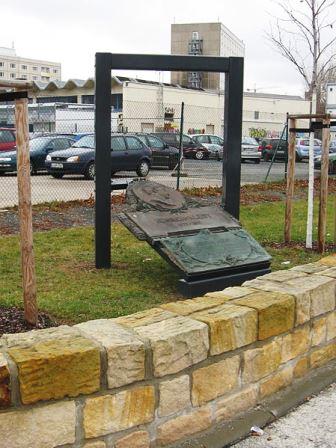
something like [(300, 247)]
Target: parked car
[(213, 143), (128, 153), (191, 149), (163, 155), (7, 139), (332, 147), (332, 163), (302, 148), (39, 149), (268, 146), (250, 150)]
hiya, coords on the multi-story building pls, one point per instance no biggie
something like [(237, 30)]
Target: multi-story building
[(207, 39), (14, 67), (331, 103)]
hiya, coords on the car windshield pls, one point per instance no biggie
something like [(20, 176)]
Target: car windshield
[(38, 143), (249, 141), (88, 141)]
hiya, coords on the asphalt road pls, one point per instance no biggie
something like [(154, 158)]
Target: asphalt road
[(199, 173), (311, 425)]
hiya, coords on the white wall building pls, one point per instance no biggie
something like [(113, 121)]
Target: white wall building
[(14, 67)]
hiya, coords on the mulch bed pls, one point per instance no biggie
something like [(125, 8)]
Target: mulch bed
[(12, 321)]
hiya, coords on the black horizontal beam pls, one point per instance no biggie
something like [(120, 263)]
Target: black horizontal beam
[(117, 61), (12, 96)]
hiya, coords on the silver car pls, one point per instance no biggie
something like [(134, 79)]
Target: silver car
[(250, 150), (213, 143)]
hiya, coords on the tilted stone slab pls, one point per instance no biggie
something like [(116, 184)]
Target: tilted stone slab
[(215, 380), (108, 414), (328, 261), (276, 312), (5, 398), (283, 276), (329, 272), (40, 427), (125, 352), (176, 344), (186, 307), (146, 317), (309, 268), (230, 326), (54, 363), (260, 362)]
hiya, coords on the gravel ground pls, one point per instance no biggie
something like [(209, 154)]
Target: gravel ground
[(311, 425)]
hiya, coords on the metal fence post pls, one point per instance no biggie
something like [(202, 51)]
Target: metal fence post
[(103, 161), (180, 148), (233, 106)]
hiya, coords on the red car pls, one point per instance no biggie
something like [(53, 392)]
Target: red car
[(7, 139)]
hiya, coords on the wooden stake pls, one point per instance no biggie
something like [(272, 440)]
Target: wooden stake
[(290, 181), (25, 211), (322, 222)]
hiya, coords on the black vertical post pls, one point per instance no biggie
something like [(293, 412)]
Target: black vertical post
[(180, 148), (233, 106), (286, 155), (103, 160)]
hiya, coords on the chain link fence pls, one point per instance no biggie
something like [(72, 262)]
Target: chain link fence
[(56, 127)]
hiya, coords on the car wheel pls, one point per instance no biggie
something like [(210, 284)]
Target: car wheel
[(57, 175), (143, 169), (298, 158), (32, 168), (257, 161), (90, 171), (199, 155)]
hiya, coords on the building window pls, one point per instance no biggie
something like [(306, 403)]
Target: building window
[(35, 69), (23, 76), (35, 78), (1, 74), (256, 115), (57, 99), (1, 64), (55, 70), (87, 99), (13, 66), (117, 102), (12, 75), (24, 67), (45, 78)]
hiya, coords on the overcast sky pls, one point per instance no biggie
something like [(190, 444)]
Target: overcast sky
[(71, 31)]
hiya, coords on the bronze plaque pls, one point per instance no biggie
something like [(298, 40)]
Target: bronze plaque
[(158, 224)]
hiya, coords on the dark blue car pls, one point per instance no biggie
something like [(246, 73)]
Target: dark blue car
[(39, 148), (128, 153)]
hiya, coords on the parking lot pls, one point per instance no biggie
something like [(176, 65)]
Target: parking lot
[(198, 174)]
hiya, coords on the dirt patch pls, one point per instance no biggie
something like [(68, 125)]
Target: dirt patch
[(12, 321)]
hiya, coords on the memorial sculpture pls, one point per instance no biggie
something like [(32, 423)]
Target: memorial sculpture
[(205, 244)]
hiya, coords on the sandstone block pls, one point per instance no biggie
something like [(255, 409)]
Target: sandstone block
[(139, 439), (174, 395), (319, 331), (176, 344), (329, 272), (230, 326), (41, 427), (184, 426), (323, 355), (97, 444), (260, 362), (295, 344), (276, 382), (234, 292), (301, 367), (112, 413), (310, 268), (215, 380), (125, 352), (283, 276), (232, 405), (276, 312), (186, 307), (146, 317), (322, 292), (55, 363), (328, 261), (331, 326), (5, 399)]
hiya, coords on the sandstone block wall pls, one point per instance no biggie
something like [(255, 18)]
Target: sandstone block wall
[(159, 377)]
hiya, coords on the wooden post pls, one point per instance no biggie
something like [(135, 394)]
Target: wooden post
[(322, 221), (25, 211), (290, 180)]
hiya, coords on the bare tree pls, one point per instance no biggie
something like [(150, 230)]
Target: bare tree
[(305, 36)]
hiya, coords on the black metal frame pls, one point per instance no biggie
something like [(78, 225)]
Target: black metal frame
[(12, 96), (233, 68)]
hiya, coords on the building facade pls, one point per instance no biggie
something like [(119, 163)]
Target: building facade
[(207, 39), (331, 103), (14, 67)]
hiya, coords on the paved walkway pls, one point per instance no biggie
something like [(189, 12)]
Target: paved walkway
[(311, 425)]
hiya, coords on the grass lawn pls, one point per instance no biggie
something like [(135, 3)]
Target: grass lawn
[(71, 290)]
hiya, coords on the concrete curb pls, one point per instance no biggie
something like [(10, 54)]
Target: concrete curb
[(267, 411)]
